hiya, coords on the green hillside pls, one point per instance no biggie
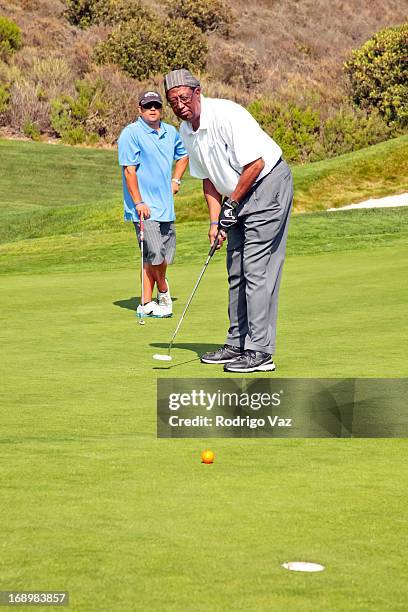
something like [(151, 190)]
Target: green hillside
[(65, 211), (37, 176)]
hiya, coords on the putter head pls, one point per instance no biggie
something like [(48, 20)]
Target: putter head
[(162, 357)]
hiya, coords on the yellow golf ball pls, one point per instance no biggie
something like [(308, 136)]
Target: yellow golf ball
[(207, 456)]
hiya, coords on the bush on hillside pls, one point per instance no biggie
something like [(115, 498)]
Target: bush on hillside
[(104, 102), (295, 129), (52, 76), (10, 37), (143, 47), (32, 82), (69, 114), (304, 136), (31, 130), (378, 74), (84, 13), (80, 13), (26, 106), (120, 97), (4, 97), (348, 131), (208, 15)]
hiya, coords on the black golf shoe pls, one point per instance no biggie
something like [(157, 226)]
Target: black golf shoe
[(251, 361), (225, 354)]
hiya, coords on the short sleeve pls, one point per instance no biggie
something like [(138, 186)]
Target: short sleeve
[(128, 148), (179, 149)]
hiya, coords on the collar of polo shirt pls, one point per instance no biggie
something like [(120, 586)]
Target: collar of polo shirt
[(149, 129)]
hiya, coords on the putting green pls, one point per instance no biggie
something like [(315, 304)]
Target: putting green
[(94, 504)]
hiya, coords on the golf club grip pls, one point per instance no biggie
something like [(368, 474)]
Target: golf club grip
[(141, 227), (214, 245)]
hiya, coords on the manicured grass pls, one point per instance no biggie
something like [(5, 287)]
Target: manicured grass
[(93, 503), (73, 246)]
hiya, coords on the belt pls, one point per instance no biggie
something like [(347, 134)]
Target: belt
[(277, 164)]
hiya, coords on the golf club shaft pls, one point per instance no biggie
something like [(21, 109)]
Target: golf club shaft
[(207, 261), (142, 253)]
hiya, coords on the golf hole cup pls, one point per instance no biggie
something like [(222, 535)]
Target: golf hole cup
[(207, 456), (303, 566)]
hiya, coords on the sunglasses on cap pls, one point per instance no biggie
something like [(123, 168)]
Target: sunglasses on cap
[(149, 105)]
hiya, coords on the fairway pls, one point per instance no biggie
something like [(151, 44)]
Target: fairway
[(94, 504)]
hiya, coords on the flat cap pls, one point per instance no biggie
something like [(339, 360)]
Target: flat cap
[(178, 78)]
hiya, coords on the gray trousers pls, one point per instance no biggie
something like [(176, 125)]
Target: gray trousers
[(255, 256)]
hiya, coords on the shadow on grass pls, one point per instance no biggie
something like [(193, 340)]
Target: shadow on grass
[(198, 349), (132, 303)]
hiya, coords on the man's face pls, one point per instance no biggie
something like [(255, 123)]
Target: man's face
[(185, 102), (151, 112)]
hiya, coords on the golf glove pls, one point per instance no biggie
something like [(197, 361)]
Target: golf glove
[(228, 215)]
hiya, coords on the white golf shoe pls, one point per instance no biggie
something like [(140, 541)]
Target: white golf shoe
[(153, 310), (164, 299)]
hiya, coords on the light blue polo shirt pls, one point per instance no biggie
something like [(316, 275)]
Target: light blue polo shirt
[(152, 153)]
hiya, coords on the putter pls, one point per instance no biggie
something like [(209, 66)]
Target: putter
[(141, 321), (207, 261)]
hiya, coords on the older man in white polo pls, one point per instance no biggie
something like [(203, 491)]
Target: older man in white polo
[(238, 161)]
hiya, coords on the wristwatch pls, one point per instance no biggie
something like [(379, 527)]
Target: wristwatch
[(178, 181)]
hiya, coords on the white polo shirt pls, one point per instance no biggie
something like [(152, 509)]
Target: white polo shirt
[(228, 138)]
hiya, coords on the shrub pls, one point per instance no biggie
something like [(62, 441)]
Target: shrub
[(4, 97), (208, 15), (119, 93), (52, 76), (348, 131), (295, 129), (105, 101), (31, 130), (10, 37), (84, 13), (115, 11), (68, 113), (143, 47), (74, 135), (26, 105), (80, 12), (378, 74), (304, 136)]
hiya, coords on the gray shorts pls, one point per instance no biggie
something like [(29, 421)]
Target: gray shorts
[(159, 241)]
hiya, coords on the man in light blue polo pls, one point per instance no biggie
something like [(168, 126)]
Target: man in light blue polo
[(146, 150)]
